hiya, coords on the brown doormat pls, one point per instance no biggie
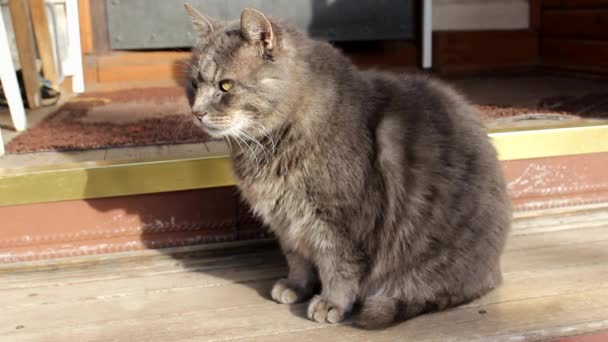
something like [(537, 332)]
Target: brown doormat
[(590, 106), (131, 117), (154, 116)]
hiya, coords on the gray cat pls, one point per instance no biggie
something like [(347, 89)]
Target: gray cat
[(383, 190)]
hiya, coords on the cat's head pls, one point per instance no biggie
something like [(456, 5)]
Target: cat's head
[(238, 74)]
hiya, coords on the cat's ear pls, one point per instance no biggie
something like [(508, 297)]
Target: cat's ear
[(257, 29), (202, 25)]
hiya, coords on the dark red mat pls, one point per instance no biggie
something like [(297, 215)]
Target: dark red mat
[(133, 117), (154, 116)]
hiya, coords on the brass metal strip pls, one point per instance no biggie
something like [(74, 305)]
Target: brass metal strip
[(551, 142), (120, 178), (109, 179)]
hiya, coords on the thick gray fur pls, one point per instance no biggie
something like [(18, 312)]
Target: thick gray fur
[(384, 188)]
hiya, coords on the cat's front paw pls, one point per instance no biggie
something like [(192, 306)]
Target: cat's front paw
[(285, 293), (322, 310)]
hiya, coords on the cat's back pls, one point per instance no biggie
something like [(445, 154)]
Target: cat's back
[(422, 103), (432, 149), (424, 115)]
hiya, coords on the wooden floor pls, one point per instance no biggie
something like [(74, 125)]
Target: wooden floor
[(556, 285)]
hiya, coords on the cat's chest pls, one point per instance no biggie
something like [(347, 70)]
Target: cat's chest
[(271, 200), (272, 191), (278, 192), (287, 212)]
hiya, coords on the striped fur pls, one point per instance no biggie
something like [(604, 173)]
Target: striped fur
[(383, 189)]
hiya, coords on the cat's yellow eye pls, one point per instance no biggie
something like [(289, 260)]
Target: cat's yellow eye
[(226, 85)]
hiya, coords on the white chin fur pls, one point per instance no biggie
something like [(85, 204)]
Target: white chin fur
[(239, 124), (214, 133)]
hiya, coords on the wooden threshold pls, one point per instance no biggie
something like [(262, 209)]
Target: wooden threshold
[(128, 177), (205, 209)]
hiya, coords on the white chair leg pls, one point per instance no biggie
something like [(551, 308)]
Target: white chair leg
[(1, 141), (427, 34), (9, 82), (75, 50)]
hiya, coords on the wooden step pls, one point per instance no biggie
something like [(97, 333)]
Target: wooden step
[(109, 207)]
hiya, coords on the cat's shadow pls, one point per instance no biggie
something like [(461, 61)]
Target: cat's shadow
[(262, 285), (249, 257), (257, 265)]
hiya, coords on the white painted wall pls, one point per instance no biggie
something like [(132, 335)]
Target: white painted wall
[(481, 14)]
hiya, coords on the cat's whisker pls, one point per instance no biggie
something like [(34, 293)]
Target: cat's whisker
[(265, 148), (191, 126), (239, 136), (184, 62), (251, 138), (229, 144), (270, 137), (265, 131), (239, 143), (180, 127), (259, 128), (253, 148)]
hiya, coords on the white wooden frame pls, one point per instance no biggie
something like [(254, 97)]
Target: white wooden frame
[(427, 34), (10, 85), (74, 49)]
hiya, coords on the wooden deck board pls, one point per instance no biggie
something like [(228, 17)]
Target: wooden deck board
[(556, 285)]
